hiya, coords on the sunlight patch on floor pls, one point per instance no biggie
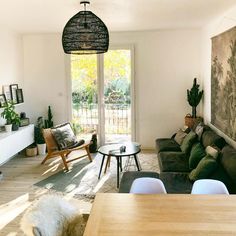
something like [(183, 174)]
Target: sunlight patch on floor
[(9, 211)]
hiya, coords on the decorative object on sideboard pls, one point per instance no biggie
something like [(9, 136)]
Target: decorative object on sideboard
[(3, 100), (24, 121), (13, 88), (19, 96), (223, 82), (10, 115), (85, 33), (39, 139), (7, 92)]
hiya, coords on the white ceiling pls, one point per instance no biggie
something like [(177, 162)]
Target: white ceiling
[(33, 16)]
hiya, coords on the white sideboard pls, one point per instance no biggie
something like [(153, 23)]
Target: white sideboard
[(15, 141)]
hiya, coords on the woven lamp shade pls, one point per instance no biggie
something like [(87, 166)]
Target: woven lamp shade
[(85, 33)]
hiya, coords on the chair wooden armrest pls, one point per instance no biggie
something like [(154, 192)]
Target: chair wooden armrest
[(53, 149)]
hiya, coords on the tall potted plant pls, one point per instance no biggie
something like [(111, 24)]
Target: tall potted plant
[(9, 114), (194, 96), (39, 139)]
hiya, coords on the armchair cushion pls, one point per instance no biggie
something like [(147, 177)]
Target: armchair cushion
[(65, 137)]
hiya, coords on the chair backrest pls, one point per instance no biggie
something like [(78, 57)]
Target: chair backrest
[(50, 140), (147, 185), (209, 186)]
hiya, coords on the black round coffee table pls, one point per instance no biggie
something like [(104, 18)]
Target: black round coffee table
[(113, 150)]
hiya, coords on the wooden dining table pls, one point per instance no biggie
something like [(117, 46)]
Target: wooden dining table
[(117, 214)]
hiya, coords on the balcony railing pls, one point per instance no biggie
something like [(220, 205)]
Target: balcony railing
[(117, 118)]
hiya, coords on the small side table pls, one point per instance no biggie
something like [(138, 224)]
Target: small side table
[(113, 150)]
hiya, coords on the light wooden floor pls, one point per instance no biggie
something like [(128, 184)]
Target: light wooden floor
[(17, 191)]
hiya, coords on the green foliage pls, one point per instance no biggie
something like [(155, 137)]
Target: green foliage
[(117, 76), (9, 114), (38, 131), (194, 96), (48, 123)]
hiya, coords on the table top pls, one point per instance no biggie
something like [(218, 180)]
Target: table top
[(116, 214), (114, 149)]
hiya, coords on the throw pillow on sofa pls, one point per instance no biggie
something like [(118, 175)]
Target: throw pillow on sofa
[(196, 155), (188, 142), (204, 168), (212, 151), (179, 137)]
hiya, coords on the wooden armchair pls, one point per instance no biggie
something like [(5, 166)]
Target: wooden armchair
[(53, 150)]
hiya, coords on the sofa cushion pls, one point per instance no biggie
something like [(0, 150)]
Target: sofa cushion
[(179, 137), (228, 161), (210, 138), (221, 175), (167, 144), (204, 168), (188, 142), (129, 176), (173, 161), (176, 182), (212, 151), (196, 154)]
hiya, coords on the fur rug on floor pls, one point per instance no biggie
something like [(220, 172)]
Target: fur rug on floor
[(52, 215)]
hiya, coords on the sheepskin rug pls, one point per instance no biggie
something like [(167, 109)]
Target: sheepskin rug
[(51, 215)]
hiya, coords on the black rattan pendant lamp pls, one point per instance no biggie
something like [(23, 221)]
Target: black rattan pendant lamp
[(85, 33)]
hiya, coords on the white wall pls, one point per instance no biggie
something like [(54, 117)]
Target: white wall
[(11, 62), (165, 64), (44, 76), (219, 25)]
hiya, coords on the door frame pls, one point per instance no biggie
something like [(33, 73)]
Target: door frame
[(100, 77)]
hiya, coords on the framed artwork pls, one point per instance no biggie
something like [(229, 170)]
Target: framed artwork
[(19, 95), (223, 82), (7, 92), (3, 100), (13, 88)]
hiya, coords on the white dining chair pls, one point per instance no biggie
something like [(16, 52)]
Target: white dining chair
[(147, 185), (209, 186)]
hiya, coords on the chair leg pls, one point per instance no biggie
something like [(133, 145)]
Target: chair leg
[(64, 161), (88, 153), (46, 158)]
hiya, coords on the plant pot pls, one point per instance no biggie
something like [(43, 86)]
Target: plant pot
[(8, 128), (15, 127), (31, 151), (41, 149), (190, 121)]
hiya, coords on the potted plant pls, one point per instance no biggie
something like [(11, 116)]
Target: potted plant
[(15, 122), (9, 114), (39, 139), (194, 96)]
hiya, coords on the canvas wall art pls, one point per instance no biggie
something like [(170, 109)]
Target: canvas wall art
[(223, 82)]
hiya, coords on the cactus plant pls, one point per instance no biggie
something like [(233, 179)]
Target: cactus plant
[(49, 122), (194, 96)]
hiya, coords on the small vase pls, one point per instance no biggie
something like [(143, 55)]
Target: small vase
[(8, 128), (15, 127), (41, 149)]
